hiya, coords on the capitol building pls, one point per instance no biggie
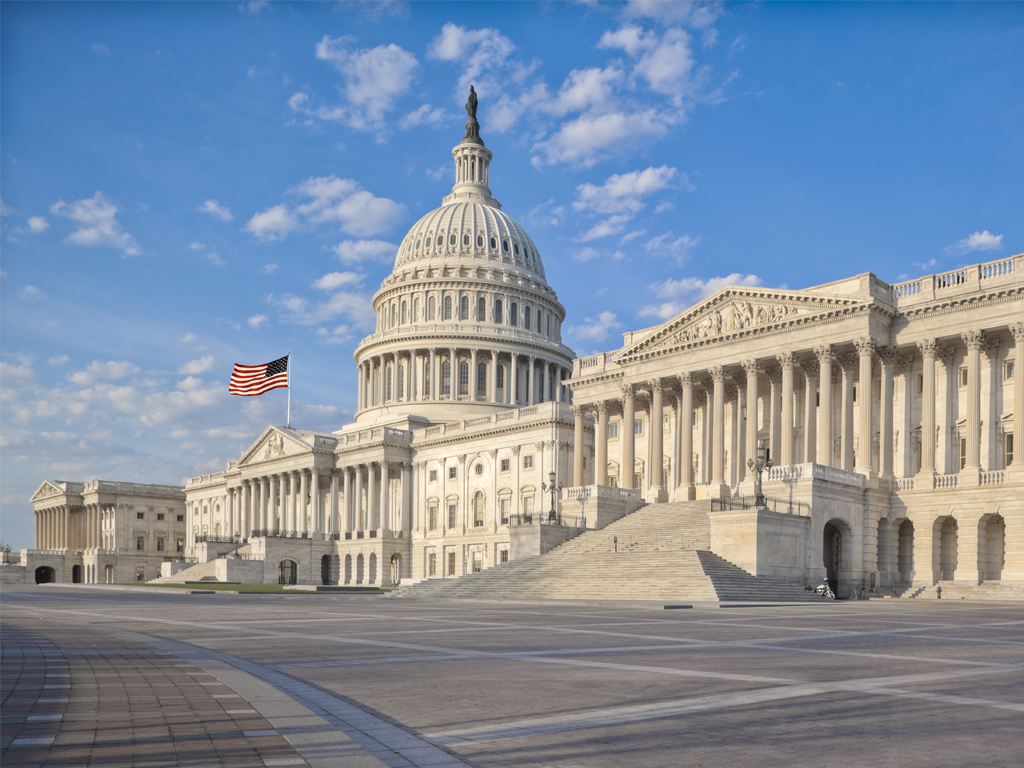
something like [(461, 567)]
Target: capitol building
[(890, 415)]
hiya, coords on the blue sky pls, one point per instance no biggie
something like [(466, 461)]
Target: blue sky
[(186, 186)]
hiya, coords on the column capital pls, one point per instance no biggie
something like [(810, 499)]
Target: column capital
[(785, 359), (655, 385), (824, 352), (686, 379), (1017, 331), (928, 347), (731, 390), (888, 354), (493, 453), (602, 406), (717, 373), (848, 361), (865, 345), (946, 355), (751, 367), (628, 391), (905, 363), (578, 411), (739, 377), (516, 449), (973, 339), (810, 366), (774, 374)]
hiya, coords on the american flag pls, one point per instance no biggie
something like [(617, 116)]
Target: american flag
[(252, 380)]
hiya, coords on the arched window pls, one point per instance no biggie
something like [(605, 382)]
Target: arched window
[(405, 308), (513, 314), (387, 386), (417, 245), (431, 308), (401, 381), (452, 239), (481, 309), (287, 572), (440, 239), (549, 326), (494, 243), (498, 314), (481, 377), (394, 315), (526, 317), (515, 247), (499, 371), (416, 310), (478, 510), (464, 308), (446, 379), (479, 241), (463, 378), (425, 384), (447, 308), (465, 239), (538, 321), (504, 245)]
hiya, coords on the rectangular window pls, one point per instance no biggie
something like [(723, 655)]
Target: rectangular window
[(1008, 449), (528, 462), (855, 393), (432, 564), (432, 517), (451, 563), (693, 419), (503, 505), (504, 555), (665, 426), (638, 426), (433, 475), (1008, 370), (584, 462), (963, 376), (963, 453), (917, 452), (506, 465), (159, 515), (140, 515), (140, 573), (159, 545), (478, 562), (181, 518), (453, 473), (481, 377), (453, 515), (500, 372), (478, 514), (920, 383), (180, 544), (817, 399), (528, 506), (613, 430), (140, 543)]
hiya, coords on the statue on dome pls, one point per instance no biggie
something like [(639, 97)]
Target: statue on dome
[(471, 104)]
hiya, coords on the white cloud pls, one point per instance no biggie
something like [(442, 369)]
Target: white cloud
[(31, 292), (694, 14), (37, 224), (926, 265), (257, 320), (665, 62), (622, 193), (585, 89), (268, 269), (58, 360), (356, 306), (216, 210), (590, 138), (334, 280), (424, 115), (100, 371), (214, 259), (337, 335), (438, 173), (201, 365), (196, 246), (688, 291), (97, 224), (365, 250), (99, 49), (632, 236), (374, 79), (254, 6), (586, 254), (545, 213), (188, 338), (736, 46), (677, 249), (478, 51), (610, 226), (272, 224), (595, 328), (979, 241)]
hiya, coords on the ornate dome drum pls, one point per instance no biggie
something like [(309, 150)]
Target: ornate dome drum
[(466, 322)]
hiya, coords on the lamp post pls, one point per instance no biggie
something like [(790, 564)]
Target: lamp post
[(550, 488), (758, 467)]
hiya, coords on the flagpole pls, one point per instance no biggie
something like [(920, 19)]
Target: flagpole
[(289, 390)]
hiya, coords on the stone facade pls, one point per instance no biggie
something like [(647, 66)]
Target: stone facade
[(890, 414)]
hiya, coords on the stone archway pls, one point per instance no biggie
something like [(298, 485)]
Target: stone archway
[(991, 547), (372, 575), (360, 568), (905, 552), (325, 569), (287, 572), (76, 574), (108, 574), (945, 533), (348, 569), (396, 569), (45, 575), (836, 551)]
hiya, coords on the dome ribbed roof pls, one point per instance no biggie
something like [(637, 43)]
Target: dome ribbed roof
[(472, 233)]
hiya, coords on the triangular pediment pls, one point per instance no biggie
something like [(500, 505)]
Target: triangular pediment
[(48, 490), (734, 312), (274, 443)]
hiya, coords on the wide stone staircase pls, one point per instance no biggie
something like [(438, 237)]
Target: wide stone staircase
[(659, 552), (192, 573), (986, 590)]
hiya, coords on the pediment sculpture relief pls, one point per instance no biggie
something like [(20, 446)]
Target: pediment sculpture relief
[(735, 317), (275, 447)]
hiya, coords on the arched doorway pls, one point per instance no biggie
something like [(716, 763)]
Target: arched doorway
[(991, 547), (945, 552), (45, 575), (325, 569), (373, 569), (836, 543), (288, 572), (108, 574), (905, 551), (348, 569), (396, 569), (76, 574), (359, 569)]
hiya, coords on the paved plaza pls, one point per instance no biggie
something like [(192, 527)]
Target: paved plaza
[(96, 676)]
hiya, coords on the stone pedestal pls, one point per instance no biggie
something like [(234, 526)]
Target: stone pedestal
[(536, 539), (762, 542)]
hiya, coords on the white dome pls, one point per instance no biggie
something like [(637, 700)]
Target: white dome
[(471, 234)]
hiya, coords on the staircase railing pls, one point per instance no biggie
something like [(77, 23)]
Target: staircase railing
[(773, 503)]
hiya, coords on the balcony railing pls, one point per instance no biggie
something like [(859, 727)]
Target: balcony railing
[(542, 518), (775, 504)]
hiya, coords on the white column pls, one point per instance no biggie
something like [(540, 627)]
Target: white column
[(928, 349), (824, 355), (300, 523), (627, 437), (885, 437), (601, 445), (385, 495), (494, 376), (686, 448), (810, 410), (1017, 329), (274, 505), (360, 518), (786, 413), (973, 340), (473, 377), (865, 351), (577, 448), (433, 378), (718, 435), (315, 512), (847, 422), (751, 368), (335, 526)]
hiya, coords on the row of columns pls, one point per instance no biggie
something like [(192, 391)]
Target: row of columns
[(67, 527), (818, 434), (421, 376), (358, 499)]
